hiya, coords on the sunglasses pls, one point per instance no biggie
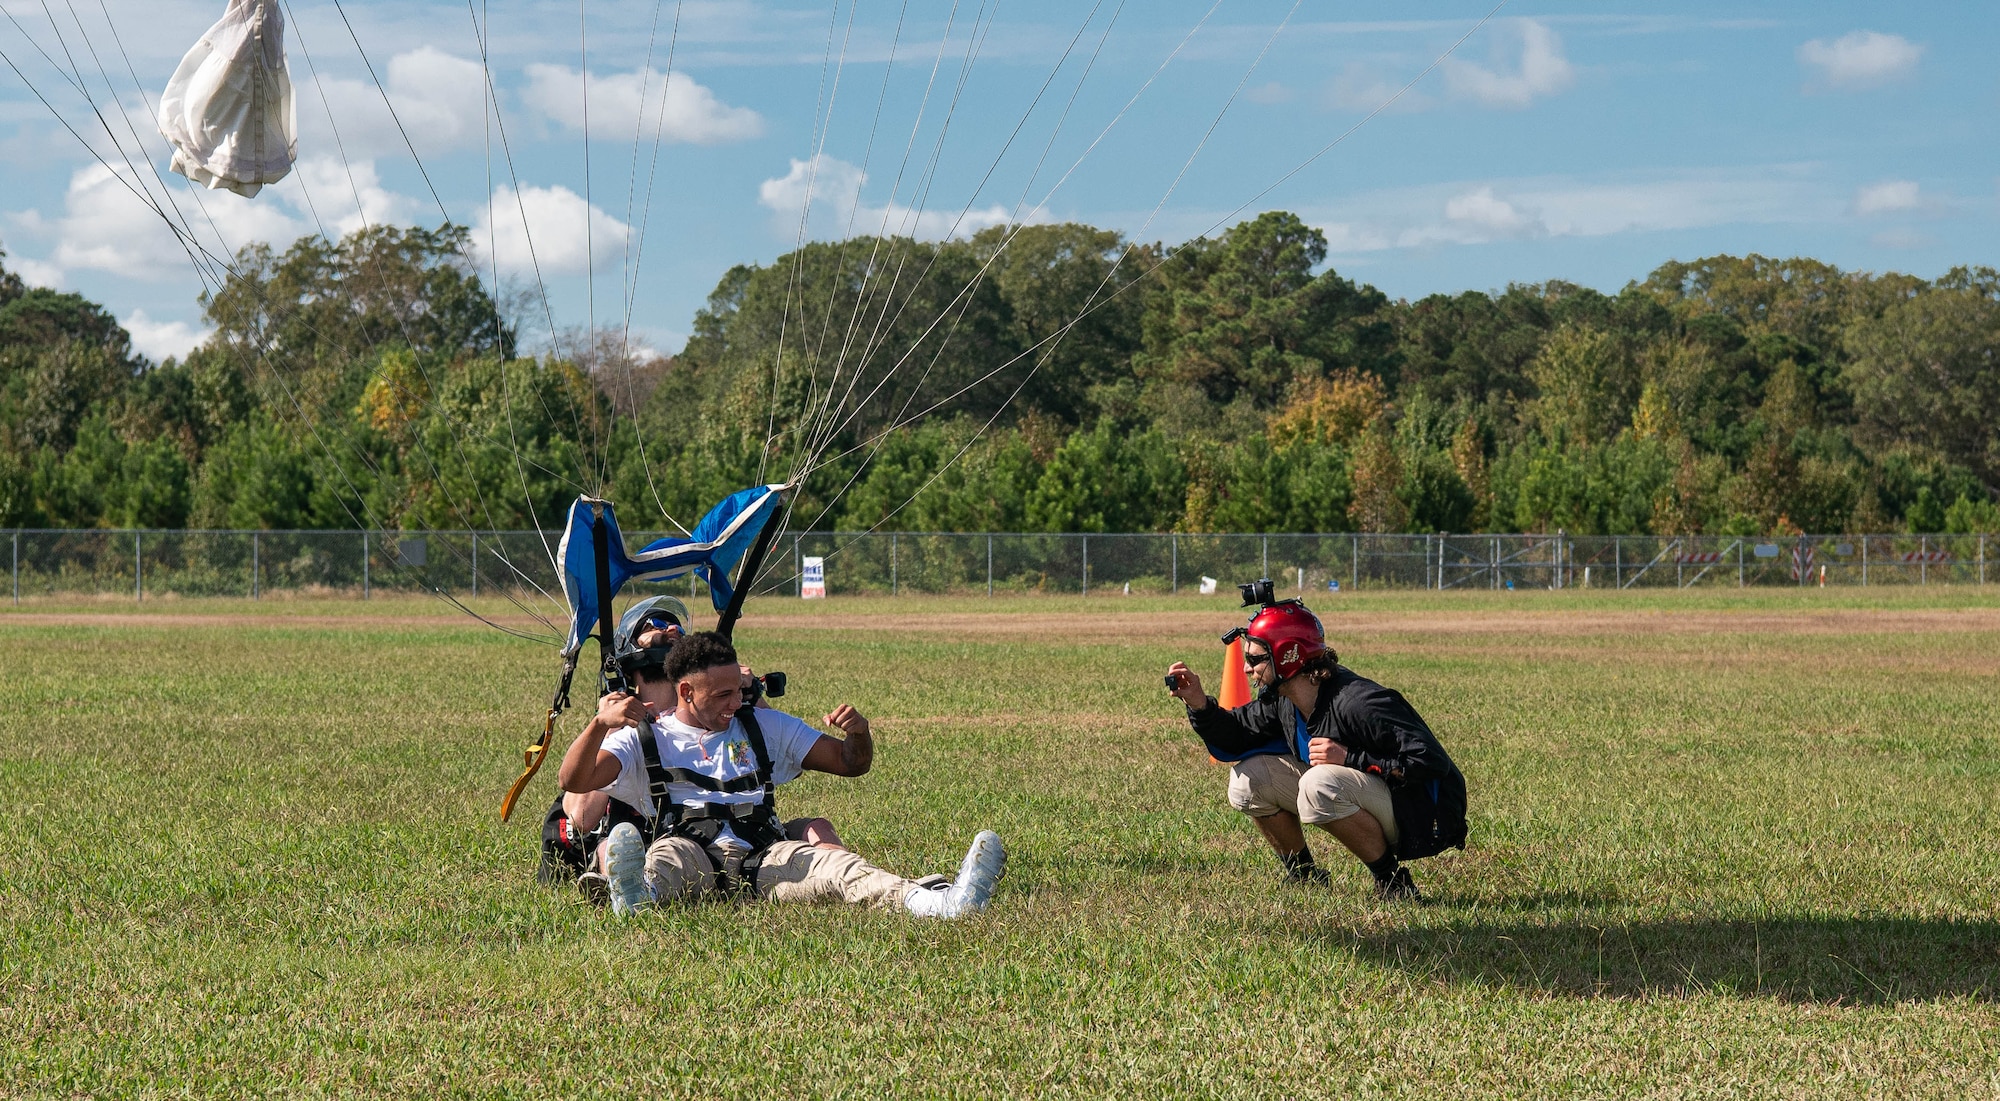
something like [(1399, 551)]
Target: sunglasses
[(1252, 661)]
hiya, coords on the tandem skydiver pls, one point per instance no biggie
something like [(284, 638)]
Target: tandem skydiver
[(576, 826), (692, 777), (1325, 747)]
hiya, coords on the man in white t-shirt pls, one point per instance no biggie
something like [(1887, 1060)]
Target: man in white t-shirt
[(696, 815)]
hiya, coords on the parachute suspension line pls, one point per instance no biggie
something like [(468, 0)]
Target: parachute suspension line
[(1219, 223), (970, 286), (393, 116), (1110, 273), (144, 195), (482, 24), (138, 143), (978, 277), (920, 198), (823, 124), (496, 120), (854, 208), (867, 158), (576, 419), (1013, 229), (635, 251), (589, 242), (362, 213)]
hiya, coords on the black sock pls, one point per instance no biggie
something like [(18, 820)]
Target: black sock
[(1384, 867), (1301, 865)]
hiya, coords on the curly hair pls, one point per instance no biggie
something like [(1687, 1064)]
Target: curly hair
[(696, 652)]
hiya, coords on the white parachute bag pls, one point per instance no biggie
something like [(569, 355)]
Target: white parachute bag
[(228, 110)]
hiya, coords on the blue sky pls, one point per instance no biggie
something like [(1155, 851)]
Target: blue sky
[(1573, 141)]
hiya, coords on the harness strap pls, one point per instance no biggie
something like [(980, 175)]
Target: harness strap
[(668, 814)]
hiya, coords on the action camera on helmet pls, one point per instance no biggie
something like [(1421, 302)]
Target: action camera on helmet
[(1260, 591)]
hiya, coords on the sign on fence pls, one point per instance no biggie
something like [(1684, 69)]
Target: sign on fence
[(812, 578)]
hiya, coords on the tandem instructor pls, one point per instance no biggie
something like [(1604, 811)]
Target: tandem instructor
[(1321, 746)]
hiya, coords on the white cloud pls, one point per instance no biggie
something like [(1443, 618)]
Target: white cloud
[(1360, 87), (440, 98), (622, 104), (35, 273), (1462, 214), (334, 188), (1542, 71), (161, 339), (555, 220), (105, 227), (1888, 196), (1901, 239), (1485, 212), (1272, 92), (1862, 59), (833, 187)]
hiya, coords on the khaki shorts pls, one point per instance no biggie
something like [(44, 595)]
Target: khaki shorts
[(1268, 783), (791, 871)]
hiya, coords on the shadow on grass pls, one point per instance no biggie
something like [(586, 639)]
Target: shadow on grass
[(1820, 960)]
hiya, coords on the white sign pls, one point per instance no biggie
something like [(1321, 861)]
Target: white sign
[(812, 579), (1208, 586)]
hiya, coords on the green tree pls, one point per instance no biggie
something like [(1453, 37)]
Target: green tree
[(1243, 316)]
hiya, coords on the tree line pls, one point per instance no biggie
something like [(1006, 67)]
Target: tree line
[(1029, 378)]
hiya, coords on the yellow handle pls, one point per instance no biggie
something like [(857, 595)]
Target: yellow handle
[(531, 760)]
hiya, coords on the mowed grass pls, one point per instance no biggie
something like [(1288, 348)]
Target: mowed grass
[(1723, 844)]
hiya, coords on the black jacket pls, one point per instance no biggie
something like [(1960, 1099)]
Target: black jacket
[(1383, 735)]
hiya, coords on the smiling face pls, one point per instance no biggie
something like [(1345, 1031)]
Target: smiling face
[(708, 698)]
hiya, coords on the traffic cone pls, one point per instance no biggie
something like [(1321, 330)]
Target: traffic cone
[(1235, 682)]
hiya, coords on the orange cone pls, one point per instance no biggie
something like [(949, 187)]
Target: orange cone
[(1235, 690), (1235, 682)]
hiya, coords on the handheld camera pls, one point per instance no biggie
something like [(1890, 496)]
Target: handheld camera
[(771, 684)]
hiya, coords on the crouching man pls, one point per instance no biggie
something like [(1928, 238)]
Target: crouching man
[(692, 777), (1324, 747)]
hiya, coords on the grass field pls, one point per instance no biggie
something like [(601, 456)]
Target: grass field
[(1723, 844)]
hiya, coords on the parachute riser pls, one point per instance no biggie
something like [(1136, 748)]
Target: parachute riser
[(747, 576), (608, 678)]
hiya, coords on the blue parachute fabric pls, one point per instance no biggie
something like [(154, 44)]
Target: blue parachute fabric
[(714, 548)]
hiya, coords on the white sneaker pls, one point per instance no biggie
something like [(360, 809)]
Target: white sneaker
[(985, 862), (625, 867)]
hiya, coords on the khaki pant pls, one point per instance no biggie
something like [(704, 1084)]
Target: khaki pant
[(792, 871), (1263, 785)]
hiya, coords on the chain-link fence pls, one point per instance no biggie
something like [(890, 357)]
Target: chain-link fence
[(465, 563)]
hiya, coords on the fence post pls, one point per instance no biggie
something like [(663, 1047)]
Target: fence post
[(1739, 563), (1982, 557), (1618, 561), (1086, 566), (364, 565), (989, 567), (17, 565), (256, 561), (1354, 563), (138, 569), (1923, 559), (1864, 561), (892, 563), (1174, 585), (475, 563), (1266, 571)]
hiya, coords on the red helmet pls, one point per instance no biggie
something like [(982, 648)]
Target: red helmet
[(1291, 633)]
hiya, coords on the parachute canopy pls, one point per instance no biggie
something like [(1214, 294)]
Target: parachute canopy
[(714, 548), (228, 109)]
